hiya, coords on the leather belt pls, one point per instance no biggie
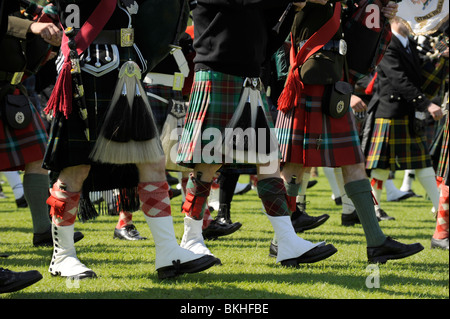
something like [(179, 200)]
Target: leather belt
[(12, 77), (175, 81), (123, 37)]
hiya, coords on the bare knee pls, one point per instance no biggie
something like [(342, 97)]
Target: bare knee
[(206, 172), (292, 170), (73, 177), (35, 168), (152, 172), (354, 172)]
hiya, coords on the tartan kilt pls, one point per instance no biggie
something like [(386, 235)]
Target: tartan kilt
[(68, 146), (442, 165), (308, 136), (159, 108), (214, 99), (20, 147), (393, 147)]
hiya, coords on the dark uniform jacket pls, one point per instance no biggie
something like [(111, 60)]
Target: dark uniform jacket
[(235, 37), (397, 88)]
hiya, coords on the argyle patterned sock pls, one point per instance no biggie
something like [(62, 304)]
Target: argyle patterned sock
[(154, 198), (197, 193), (441, 231), (125, 218), (63, 206), (273, 196), (207, 219)]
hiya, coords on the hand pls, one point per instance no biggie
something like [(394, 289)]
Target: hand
[(48, 31), (357, 104), (390, 10), (435, 111)]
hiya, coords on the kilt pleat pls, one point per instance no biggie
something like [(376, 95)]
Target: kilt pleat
[(214, 99), (20, 147), (394, 147), (307, 136)]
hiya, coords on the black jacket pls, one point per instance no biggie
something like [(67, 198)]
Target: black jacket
[(397, 87), (235, 36)]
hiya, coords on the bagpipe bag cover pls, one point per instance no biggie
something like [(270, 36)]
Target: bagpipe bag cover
[(158, 24)]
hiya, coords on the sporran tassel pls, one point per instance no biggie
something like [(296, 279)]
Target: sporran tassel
[(142, 118), (143, 145)]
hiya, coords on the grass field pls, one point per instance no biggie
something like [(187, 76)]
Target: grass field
[(126, 269)]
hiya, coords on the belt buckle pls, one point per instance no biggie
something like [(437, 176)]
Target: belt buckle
[(126, 37), (17, 78), (342, 47), (178, 81)]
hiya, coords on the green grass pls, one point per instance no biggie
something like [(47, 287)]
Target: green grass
[(126, 269)]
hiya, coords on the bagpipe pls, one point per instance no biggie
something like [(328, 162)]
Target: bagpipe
[(37, 51)]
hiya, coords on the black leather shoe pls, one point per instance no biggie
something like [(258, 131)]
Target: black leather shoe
[(392, 249), (189, 267), (382, 215), (413, 194), (11, 281), (314, 255), (218, 228), (311, 183), (21, 202), (439, 243), (302, 221), (350, 219), (129, 232), (46, 240)]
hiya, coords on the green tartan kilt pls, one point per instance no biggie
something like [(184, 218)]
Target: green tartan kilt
[(393, 147), (214, 100)]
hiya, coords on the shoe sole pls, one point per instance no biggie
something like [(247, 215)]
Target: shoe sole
[(384, 259), (191, 267), (296, 262), (349, 223), (18, 286), (320, 222)]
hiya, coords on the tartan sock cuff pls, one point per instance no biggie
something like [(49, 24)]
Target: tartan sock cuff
[(273, 196), (197, 193), (271, 186), (292, 189), (154, 198), (198, 188)]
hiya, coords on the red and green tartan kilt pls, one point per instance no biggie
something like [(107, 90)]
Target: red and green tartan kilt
[(20, 147), (393, 147), (308, 136), (214, 100), (442, 167)]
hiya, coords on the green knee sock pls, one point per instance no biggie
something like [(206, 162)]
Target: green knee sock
[(360, 194), (35, 188)]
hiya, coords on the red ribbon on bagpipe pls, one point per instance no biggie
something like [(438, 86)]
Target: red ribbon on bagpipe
[(294, 85), (61, 98)]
